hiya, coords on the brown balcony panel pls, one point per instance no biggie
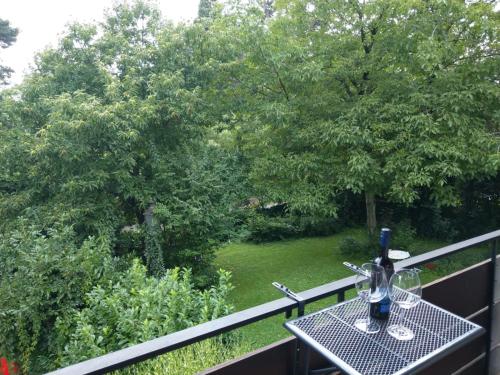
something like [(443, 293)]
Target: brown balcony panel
[(464, 292), (274, 359)]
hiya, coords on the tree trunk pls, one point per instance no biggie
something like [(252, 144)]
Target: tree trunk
[(148, 214), (371, 218), (152, 246)]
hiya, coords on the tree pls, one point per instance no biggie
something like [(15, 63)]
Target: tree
[(268, 6), (8, 36), (105, 158), (124, 137), (385, 98), (206, 8)]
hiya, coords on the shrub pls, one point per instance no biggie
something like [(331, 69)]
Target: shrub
[(431, 221), (189, 360), (42, 277), (263, 228), (317, 226), (353, 248), (404, 236), (137, 308)]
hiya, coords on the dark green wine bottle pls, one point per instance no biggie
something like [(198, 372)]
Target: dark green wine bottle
[(381, 310)]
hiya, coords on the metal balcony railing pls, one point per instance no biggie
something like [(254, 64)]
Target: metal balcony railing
[(141, 352)]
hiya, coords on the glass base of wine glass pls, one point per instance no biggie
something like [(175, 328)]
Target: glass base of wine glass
[(368, 326), (400, 332)]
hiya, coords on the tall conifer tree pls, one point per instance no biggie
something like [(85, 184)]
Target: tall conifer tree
[(8, 36)]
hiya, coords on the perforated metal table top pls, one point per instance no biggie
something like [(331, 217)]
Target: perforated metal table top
[(332, 333)]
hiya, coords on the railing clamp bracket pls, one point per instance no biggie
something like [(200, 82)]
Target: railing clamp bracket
[(294, 296)]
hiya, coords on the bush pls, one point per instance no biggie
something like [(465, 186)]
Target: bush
[(138, 308), (318, 226), (431, 221), (263, 228), (404, 236), (351, 247), (189, 360), (42, 277)]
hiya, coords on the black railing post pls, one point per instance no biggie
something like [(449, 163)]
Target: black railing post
[(491, 304), (341, 296)]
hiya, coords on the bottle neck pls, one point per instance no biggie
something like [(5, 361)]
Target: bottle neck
[(384, 252), (385, 235)]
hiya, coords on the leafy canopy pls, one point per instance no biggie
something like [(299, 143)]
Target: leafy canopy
[(112, 124), (388, 98)]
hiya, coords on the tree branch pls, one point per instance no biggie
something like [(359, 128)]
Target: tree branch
[(275, 70)]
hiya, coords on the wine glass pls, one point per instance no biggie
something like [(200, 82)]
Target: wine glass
[(405, 291), (371, 287)]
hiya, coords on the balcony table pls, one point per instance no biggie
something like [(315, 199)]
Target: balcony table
[(331, 332)]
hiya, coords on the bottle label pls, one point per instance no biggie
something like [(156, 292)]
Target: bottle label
[(385, 305), (385, 308)]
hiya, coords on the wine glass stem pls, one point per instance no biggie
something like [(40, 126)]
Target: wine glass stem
[(368, 318), (401, 315)]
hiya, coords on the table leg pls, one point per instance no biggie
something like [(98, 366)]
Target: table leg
[(295, 362), (301, 360), (305, 354)]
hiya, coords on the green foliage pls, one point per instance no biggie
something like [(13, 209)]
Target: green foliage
[(8, 36), (62, 302), (404, 236), (190, 360), (137, 308), (139, 139), (352, 247), (44, 274), (198, 208), (153, 252), (111, 123), (479, 213), (318, 226), (385, 97), (206, 8), (263, 228)]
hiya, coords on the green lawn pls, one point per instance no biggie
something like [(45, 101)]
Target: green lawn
[(301, 264)]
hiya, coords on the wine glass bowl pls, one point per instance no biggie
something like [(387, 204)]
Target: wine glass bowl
[(371, 288), (405, 290)]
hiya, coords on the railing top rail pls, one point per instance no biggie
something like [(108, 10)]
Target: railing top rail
[(149, 349), (448, 250)]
